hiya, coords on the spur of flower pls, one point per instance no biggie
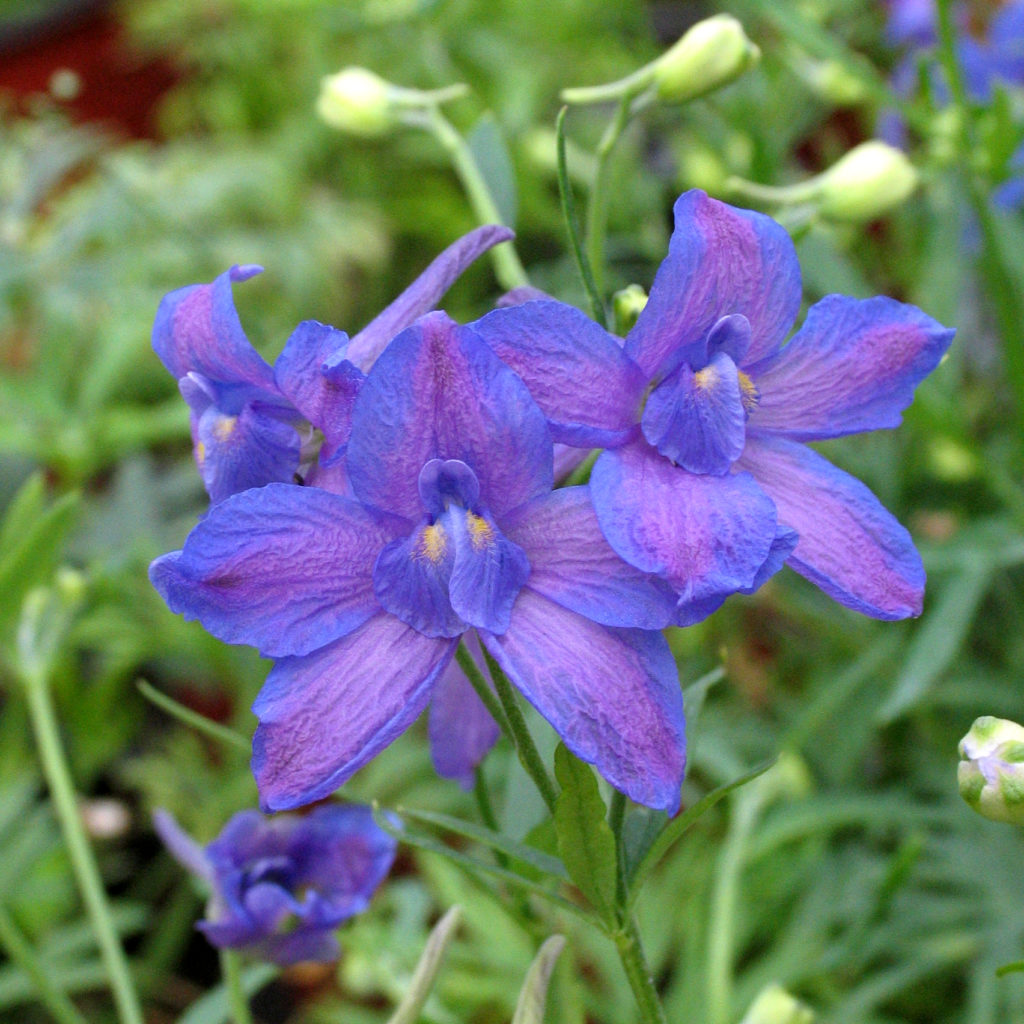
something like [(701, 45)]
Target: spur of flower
[(450, 525), (253, 424), (703, 412), (280, 886)]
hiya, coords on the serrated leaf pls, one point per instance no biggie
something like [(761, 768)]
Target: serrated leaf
[(585, 841), (534, 993)]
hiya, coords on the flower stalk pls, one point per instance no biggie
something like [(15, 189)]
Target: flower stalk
[(231, 972)]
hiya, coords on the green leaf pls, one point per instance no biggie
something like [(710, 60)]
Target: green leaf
[(423, 977), (213, 1008), (487, 144), (585, 841), (534, 993)]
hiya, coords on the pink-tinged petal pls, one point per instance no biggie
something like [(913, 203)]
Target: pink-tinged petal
[(325, 715), (611, 694), (423, 294), (576, 371), (317, 378), (697, 419), (198, 330), (572, 564), (461, 729), (438, 392), (567, 459), (286, 569), (852, 366), (849, 545), (721, 261), (705, 535)]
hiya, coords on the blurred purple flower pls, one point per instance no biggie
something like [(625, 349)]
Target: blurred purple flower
[(280, 886), (253, 424), (703, 412), (451, 525)]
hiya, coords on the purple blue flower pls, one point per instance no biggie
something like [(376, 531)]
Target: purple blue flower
[(279, 887), (450, 525), (706, 480), (253, 424)]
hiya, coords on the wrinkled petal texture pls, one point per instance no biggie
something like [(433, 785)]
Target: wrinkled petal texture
[(705, 535), (424, 293), (853, 366), (197, 329), (576, 371), (573, 565), (849, 545), (721, 261), (612, 695), (286, 569), (325, 715), (438, 392)]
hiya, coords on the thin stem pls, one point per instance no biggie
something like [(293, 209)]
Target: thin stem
[(507, 267), (231, 972), (519, 733), (631, 954), (483, 690), (21, 952), (616, 818), (83, 862), (597, 206)]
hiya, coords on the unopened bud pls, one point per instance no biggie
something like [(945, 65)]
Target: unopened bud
[(711, 54), (870, 180), (358, 101), (627, 306), (991, 770), (774, 1005)]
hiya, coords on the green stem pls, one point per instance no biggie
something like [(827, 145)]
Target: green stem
[(83, 862), (631, 954), (519, 733), (483, 690), (231, 972), (597, 206), (507, 267), (20, 951), (616, 818)]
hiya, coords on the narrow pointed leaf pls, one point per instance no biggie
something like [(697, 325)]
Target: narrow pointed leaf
[(214, 1008), (423, 977), (534, 993)]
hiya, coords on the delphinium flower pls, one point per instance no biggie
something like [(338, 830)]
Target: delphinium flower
[(280, 886), (704, 412), (451, 525), (253, 424)]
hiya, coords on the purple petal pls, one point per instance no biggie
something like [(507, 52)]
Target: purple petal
[(438, 392), (250, 449), (698, 419), (721, 261), (849, 545), (611, 694), (852, 366), (312, 945), (573, 565), (576, 371), (325, 715), (185, 850), (197, 329), (284, 568), (706, 535), (318, 379), (423, 294), (460, 727)]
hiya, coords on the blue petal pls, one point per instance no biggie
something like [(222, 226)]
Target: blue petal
[(576, 371), (325, 715), (698, 419), (853, 366), (185, 850), (438, 392), (284, 568)]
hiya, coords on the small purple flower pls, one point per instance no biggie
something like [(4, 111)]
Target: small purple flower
[(280, 886), (253, 424), (451, 525), (704, 411)]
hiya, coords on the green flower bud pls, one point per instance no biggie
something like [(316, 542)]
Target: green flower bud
[(627, 306), (774, 1005), (709, 55), (991, 770), (358, 101), (870, 180)]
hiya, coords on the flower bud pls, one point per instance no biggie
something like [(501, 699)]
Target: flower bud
[(870, 180), (774, 1005), (358, 101), (709, 55), (627, 305), (991, 770)]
